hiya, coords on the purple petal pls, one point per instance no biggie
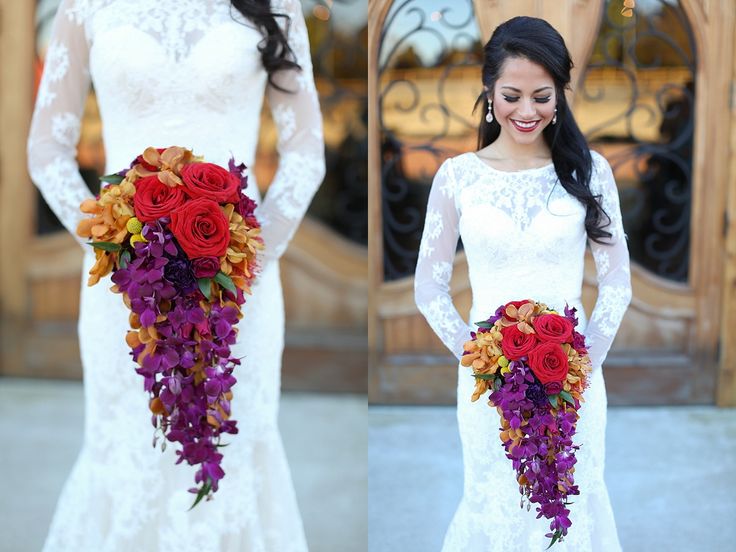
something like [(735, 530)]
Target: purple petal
[(148, 318)]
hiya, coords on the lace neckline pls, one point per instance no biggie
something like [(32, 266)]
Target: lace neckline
[(522, 171)]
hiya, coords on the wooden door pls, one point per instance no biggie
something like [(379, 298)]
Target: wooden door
[(666, 351)]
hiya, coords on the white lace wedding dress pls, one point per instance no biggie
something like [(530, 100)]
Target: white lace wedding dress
[(524, 238), (188, 73)]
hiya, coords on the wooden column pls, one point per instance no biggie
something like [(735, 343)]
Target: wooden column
[(377, 10), (17, 195), (726, 395)]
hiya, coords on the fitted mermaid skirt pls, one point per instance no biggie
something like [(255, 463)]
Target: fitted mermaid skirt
[(125, 495)]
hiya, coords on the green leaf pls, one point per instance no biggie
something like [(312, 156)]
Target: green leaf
[(203, 491), (124, 259), (106, 246), (485, 376), (555, 538), (225, 281), (568, 397), (112, 178), (553, 400), (485, 325), (225, 445), (204, 286), (497, 384)]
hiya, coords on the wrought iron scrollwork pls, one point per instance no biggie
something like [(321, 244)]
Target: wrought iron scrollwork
[(339, 56), (659, 128), (437, 121)]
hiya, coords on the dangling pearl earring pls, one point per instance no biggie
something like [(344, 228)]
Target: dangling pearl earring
[(554, 119), (489, 115)]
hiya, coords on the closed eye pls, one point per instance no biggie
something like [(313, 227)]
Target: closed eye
[(512, 99)]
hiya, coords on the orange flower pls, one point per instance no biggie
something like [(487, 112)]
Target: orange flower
[(102, 267), (169, 163), (240, 259), (522, 316), (111, 213)]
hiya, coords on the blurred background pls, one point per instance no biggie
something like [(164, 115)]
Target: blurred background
[(654, 94), (323, 272)]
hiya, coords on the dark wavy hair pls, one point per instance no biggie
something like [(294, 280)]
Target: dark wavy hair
[(276, 54), (536, 40)]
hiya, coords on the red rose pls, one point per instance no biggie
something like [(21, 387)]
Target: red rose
[(206, 267), (201, 228), (553, 327), (515, 343), (553, 388), (210, 181), (153, 199), (548, 362)]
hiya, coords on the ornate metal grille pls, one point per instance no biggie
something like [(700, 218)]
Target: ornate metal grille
[(429, 55), (637, 106), (341, 69)]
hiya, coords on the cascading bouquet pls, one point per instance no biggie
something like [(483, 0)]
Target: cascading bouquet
[(536, 366), (181, 241)]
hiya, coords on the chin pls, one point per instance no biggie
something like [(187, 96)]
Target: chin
[(526, 139)]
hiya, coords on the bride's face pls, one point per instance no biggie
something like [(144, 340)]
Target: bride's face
[(524, 100)]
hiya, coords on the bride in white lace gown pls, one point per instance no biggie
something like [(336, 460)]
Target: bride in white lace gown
[(519, 208), (188, 73)]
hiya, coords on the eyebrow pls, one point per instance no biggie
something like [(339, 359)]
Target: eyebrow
[(537, 90)]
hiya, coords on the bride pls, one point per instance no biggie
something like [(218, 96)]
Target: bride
[(191, 73), (524, 205)]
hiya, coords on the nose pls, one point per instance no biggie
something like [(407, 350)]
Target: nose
[(526, 109)]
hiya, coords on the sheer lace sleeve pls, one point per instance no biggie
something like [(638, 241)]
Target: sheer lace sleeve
[(434, 266), (52, 143), (300, 143), (612, 267)]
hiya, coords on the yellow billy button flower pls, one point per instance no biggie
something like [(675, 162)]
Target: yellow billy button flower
[(503, 362), (137, 238), (134, 226)]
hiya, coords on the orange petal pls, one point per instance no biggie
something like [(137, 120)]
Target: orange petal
[(152, 156), (99, 230), (132, 339), (157, 406)]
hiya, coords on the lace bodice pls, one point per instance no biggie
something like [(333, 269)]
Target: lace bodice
[(524, 237), (182, 72)]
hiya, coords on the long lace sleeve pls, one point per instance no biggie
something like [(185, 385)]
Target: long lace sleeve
[(612, 267), (434, 266), (296, 112), (56, 119)]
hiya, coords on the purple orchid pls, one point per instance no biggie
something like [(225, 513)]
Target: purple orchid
[(160, 283)]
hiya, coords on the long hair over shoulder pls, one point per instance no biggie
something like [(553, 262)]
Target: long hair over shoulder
[(276, 54)]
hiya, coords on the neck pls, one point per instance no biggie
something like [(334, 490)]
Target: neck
[(511, 149)]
